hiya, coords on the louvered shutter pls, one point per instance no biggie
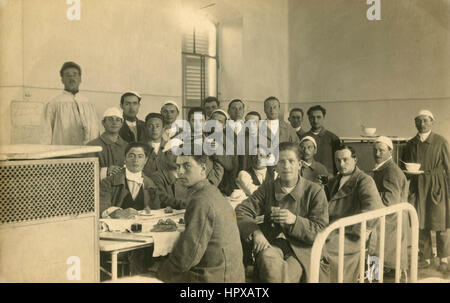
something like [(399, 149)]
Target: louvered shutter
[(197, 55)]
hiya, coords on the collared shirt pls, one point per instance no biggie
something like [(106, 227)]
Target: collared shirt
[(155, 146), (424, 136), (297, 129), (133, 127), (313, 170), (260, 174), (69, 120), (134, 181), (377, 166), (343, 180)]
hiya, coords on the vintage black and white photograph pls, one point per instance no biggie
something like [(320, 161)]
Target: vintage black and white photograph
[(224, 141)]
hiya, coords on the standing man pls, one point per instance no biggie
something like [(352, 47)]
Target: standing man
[(133, 130), (112, 157), (393, 188), (272, 110), (295, 210), (69, 118), (352, 192), (236, 109), (209, 249), (296, 119), (170, 112), (209, 105), (154, 131), (429, 191), (327, 142)]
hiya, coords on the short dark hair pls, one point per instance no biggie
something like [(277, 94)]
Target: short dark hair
[(194, 110), (253, 113), (296, 109), (69, 64), (270, 99), (211, 99), (317, 107), (290, 146), (234, 101), (153, 115), (122, 98), (351, 149), (202, 158), (137, 145)]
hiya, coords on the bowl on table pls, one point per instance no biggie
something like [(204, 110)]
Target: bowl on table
[(412, 167), (369, 131)]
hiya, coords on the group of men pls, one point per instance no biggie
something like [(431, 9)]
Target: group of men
[(314, 181)]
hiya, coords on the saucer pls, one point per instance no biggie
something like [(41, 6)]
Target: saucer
[(416, 172), (369, 136)]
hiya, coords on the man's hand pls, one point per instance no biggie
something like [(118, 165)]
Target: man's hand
[(128, 213), (112, 170), (283, 216), (259, 242)]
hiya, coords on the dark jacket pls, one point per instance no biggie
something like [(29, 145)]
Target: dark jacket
[(429, 192), (307, 200), (113, 191), (170, 191), (327, 143), (113, 153), (359, 194), (393, 188), (128, 135), (209, 249)]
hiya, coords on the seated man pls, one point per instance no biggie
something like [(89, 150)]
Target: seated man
[(209, 249), (216, 164), (311, 169), (169, 189), (282, 243), (393, 188), (352, 192), (124, 193), (154, 132), (112, 157), (249, 180)]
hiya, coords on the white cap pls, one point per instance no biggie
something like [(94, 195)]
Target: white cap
[(133, 93), (172, 143), (310, 139), (113, 112), (424, 112), (222, 112), (171, 102), (385, 140)]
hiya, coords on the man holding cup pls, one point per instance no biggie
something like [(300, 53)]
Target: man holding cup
[(294, 209), (429, 190)]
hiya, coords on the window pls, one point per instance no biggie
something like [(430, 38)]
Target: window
[(199, 64)]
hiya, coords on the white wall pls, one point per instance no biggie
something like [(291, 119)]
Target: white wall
[(254, 53), (118, 45), (376, 73)]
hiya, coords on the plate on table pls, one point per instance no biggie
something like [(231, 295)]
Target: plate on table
[(369, 136), (144, 213), (417, 172)]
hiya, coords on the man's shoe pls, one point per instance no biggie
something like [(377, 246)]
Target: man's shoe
[(423, 264), (443, 267)]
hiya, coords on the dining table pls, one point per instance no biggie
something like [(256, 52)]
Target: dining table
[(116, 235)]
